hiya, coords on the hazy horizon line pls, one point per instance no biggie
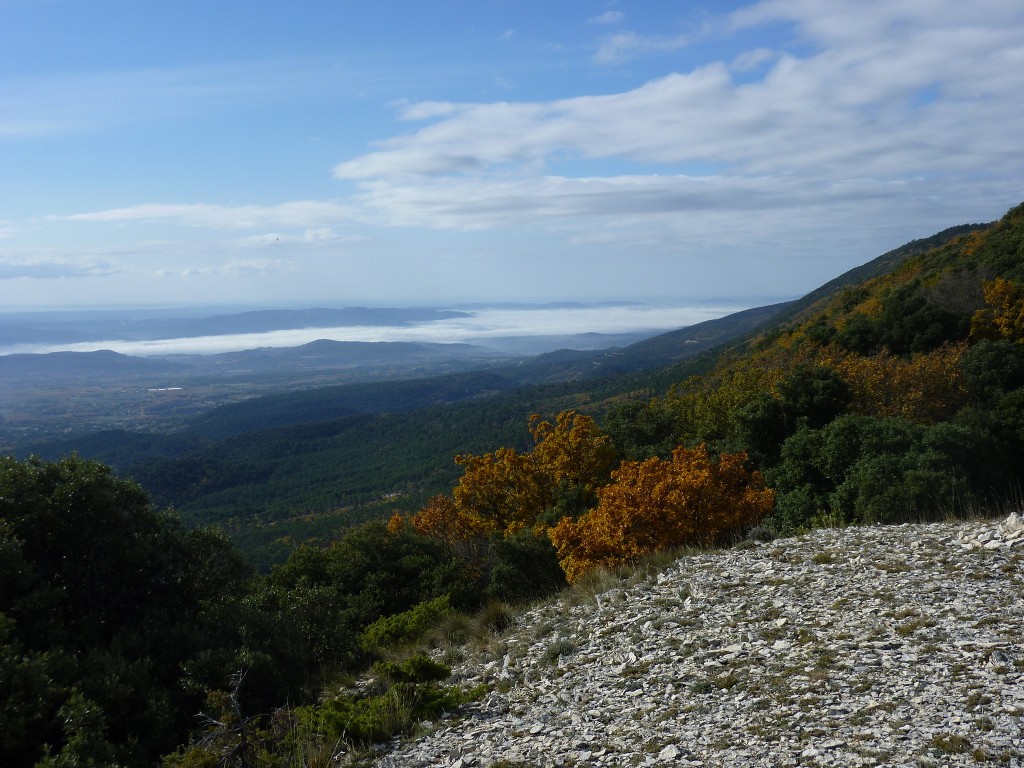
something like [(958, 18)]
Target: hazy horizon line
[(476, 327), (454, 304)]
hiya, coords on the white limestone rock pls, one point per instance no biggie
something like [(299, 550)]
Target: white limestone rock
[(762, 657)]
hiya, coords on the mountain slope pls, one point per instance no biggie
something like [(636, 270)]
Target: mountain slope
[(329, 403), (803, 651), (664, 349), (877, 267)]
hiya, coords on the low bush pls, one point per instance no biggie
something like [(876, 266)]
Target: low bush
[(390, 632)]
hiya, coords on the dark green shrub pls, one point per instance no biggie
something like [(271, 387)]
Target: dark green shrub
[(813, 396), (109, 607), (642, 429), (524, 567), (860, 469), (412, 694), (993, 368), (415, 669), (404, 628), (761, 428)]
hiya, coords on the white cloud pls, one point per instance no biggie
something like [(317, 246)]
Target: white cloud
[(473, 203), (608, 17), (893, 96), (300, 213), (50, 268), (231, 268), (887, 119), (240, 267), (426, 110), (476, 328), (624, 45), (318, 235), (751, 60)]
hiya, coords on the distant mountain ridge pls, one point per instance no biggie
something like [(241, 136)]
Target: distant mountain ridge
[(72, 365), (322, 354)]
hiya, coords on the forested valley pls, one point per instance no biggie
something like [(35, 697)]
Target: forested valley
[(894, 393)]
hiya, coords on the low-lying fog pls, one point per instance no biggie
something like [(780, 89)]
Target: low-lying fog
[(477, 327)]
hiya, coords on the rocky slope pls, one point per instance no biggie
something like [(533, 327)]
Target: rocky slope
[(888, 646)]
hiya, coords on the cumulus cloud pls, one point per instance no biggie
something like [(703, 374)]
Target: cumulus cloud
[(892, 118), (482, 204), (751, 60), (426, 110)]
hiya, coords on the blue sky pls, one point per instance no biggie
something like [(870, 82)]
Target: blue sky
[(269, 153)]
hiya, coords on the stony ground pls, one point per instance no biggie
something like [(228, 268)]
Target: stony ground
[(885, 646), (881, 646)]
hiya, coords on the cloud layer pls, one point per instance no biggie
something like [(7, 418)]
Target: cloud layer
[(477, 328), (766, 149), (891, 95)]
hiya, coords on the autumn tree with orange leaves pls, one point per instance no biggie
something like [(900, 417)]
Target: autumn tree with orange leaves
[(503, 492), (656, 504)]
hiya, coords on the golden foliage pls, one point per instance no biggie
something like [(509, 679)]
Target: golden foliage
[(1003, 318), (922, 388), (871, 306), (573, 449), (462, 535), (974, 241), (504, 490), (655, 504), (442, 519)]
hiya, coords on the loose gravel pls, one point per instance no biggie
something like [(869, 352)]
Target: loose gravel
[(874, 646)]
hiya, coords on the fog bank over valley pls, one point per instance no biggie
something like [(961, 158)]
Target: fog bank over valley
[(484, 326)]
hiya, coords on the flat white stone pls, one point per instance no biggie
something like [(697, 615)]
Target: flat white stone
[(671, 752)]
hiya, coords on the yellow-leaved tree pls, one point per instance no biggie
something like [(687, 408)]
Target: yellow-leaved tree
[(656, 504), (504, 491), (1003, 318), (573, 449), (441, 519), (924, 387)]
